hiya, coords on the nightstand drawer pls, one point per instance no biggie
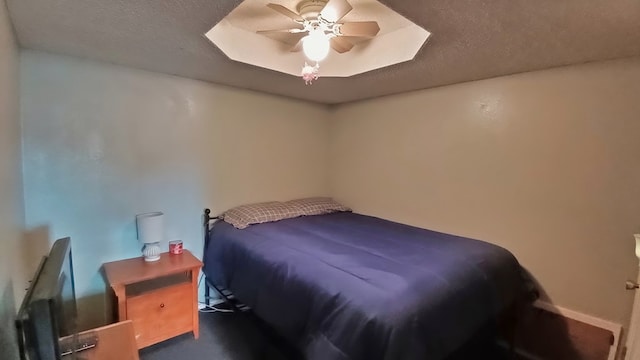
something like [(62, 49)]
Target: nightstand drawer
[(161, 314)]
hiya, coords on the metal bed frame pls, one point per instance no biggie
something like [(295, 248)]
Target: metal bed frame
[(288, 350), (224, 293)]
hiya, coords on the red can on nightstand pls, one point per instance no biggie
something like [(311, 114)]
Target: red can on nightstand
[(175, 247)]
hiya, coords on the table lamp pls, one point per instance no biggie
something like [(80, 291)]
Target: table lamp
[(150, 233)]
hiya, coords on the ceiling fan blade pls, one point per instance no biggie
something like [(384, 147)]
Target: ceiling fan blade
[(295, 39), (286, 12), (362, 28), (335, 10), (283, 36), (290, 31), (341, 45), (297, 47)]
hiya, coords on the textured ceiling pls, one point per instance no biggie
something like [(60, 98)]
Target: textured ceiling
[(471, 40)]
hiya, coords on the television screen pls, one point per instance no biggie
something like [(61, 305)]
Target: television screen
[(48, 310), (65, 300)]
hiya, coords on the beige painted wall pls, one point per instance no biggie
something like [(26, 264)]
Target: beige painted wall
[(12, 272), (545, 164), (540, 163), (103, 143)]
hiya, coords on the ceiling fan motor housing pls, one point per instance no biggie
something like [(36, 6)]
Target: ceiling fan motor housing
[(310, 9), (320, 21)]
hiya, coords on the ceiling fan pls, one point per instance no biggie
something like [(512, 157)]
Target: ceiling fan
[(318, 27)]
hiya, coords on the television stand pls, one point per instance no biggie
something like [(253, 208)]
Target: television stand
[(71, 344), (111, 342)]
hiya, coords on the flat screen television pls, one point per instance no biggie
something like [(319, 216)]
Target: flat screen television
[(48, 311)]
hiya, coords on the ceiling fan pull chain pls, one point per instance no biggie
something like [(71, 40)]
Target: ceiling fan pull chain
[(310, 73)]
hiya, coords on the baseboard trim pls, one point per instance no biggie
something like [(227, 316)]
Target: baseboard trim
[(616, 329)]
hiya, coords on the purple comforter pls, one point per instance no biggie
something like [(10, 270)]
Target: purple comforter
[(349, 286)]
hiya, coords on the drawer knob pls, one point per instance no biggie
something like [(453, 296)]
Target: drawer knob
[(162, 305)]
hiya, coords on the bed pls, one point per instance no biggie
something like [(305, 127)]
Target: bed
[(348, 286)]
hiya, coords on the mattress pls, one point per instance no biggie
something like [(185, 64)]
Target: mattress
[(350, 286)]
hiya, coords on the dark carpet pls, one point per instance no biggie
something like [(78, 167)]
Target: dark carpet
[(223, 336), (236, 336)]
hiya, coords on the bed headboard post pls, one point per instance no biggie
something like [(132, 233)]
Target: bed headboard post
[(207, 220)]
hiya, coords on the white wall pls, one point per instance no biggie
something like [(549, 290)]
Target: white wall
[(103, 143), (545, 164), (12, 270)]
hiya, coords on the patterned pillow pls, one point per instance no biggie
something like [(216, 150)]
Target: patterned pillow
[(245, 215), (317, 205)]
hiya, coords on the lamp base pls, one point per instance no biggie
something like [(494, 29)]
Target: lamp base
[(151, 252)]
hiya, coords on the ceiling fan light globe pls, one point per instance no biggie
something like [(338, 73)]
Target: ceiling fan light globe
[(316, 46)]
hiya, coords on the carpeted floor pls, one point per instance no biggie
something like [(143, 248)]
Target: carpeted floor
[(223, 336), (232, 336)]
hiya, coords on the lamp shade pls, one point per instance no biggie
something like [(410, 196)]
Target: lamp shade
[(150, 227)]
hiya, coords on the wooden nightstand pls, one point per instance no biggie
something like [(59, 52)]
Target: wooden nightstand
[(161, 297)]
